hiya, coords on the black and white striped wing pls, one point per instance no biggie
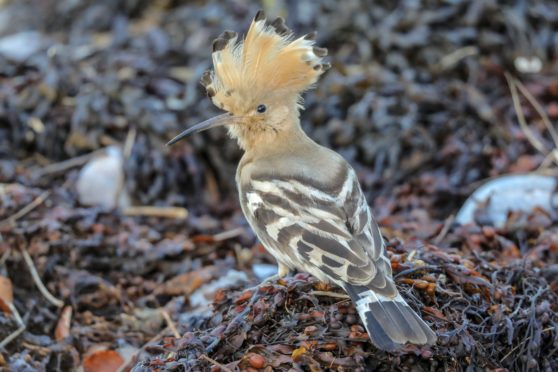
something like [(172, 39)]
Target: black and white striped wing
[(330, 233), (327, 231)]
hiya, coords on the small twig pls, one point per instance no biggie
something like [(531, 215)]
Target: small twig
[(512, 83), (170, 323), (545, 168), (216, 363), (329, 294), (12, 336), (129, 143), (417, 268), (17, 317), (41, 350), (64, 165), (450, 60), (126, 152), (522, 343), (129, 365), (28, 208), (36, 278), (445, 229), (228, 234), (163, 212), (538, 108)]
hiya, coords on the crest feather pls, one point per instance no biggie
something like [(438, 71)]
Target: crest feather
[(268, 61)]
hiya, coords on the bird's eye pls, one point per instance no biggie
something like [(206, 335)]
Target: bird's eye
[(261, 109)]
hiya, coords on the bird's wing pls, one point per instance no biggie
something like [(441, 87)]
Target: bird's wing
[(326, 230)]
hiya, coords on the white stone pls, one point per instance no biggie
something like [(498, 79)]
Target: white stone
[(101, 181), (521, 192)]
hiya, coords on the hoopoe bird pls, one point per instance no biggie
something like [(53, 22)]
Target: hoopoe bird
[(303, 201)]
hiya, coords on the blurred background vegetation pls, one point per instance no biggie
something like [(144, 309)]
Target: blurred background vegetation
[(412, 83)]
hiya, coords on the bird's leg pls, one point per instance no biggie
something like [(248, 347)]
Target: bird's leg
[(282, 271)]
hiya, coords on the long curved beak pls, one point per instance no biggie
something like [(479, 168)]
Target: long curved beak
[(216, 121)]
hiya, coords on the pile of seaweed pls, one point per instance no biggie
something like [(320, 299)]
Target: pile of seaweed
[(489, 309)]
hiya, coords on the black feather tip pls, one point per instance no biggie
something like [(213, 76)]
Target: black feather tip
[(260, 15), (206, 78)]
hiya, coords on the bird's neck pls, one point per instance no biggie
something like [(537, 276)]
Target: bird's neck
[(269, 142)]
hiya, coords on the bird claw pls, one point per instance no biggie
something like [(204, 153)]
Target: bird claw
[(271, 278), (282, 271)]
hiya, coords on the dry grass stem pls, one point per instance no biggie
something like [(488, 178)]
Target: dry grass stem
[(37, 279)]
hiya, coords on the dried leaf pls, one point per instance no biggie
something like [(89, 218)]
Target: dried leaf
[(297, 354), (63, 326), (102, 361), (186, 284), (256, 360), (434, 312), (6, 294)]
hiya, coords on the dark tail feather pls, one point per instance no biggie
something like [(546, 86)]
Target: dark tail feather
[(390, 323)]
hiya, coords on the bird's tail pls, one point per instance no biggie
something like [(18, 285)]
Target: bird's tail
[(390, 322)]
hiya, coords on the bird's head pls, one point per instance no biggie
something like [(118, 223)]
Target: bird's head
[(258, 81)]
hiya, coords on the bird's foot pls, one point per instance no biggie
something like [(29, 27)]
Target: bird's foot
[(282, 271), (271, 279)]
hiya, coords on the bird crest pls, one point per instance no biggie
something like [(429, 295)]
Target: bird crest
[(269, 61)]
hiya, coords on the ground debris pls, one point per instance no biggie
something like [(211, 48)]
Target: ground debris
[(480, 316)]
